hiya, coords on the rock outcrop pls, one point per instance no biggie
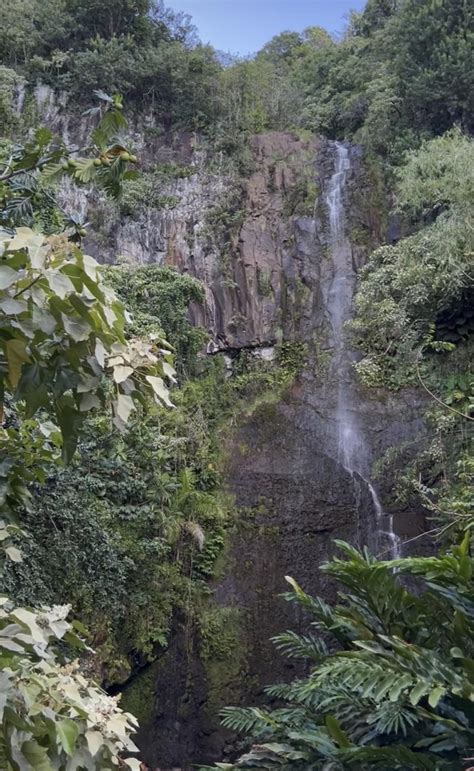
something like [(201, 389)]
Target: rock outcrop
[(255, 243)]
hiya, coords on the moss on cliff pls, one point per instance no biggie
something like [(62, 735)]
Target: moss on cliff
[(223, 651), (139, 697)]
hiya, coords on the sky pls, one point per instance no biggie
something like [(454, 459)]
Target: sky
[(244, 26)]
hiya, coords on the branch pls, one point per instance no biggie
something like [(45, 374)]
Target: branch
[(6, 177), (28, 286), (433, 396)]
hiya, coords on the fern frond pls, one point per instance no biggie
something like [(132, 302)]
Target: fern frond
[(274, 755), (247, 720), (85, 170), (112, 122), (280, 690), (300, 646), (395, 757), (393, 718), (325, 617), (196, 531)]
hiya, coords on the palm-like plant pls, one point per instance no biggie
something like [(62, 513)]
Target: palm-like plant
[(392, 679)]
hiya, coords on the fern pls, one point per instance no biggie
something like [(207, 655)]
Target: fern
[(388, 758), (112, 122), (300, 646), (325, 617), (393, 718), (248, 720)]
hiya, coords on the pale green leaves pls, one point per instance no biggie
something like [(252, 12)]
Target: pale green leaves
[(128, 364), (169, 371), (59, 283), (122, 372), (159, 389), (12, 307), (83, 724), (77, 329), (123, 407), (7, 276), (94, 741), (25, 238), (7, 533), (13, 553), (67, 731), (100, 354), (55, 308)]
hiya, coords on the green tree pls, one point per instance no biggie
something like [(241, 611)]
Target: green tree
[(414, 321), (413, 292), (10, 83), (160, 298), (32, 28), (432, 44), (108, 18)]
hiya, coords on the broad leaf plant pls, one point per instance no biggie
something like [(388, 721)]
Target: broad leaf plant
[(63, 352)]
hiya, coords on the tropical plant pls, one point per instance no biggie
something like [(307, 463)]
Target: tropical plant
[(51, 716), (415, 296), (161, 298), (63, 353), (391, 680), (28, 171), (146, 497)]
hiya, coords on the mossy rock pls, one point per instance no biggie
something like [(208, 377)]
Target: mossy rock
[(139, 696)]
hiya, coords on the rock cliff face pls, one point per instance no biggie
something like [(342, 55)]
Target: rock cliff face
[(257, 243), (278, 252), (278, 264)]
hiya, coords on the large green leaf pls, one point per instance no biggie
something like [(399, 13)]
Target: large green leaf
[(7, 276), (68, 731), (17, 355)]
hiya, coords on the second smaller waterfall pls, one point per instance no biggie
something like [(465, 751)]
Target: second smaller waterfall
[(351, 445)]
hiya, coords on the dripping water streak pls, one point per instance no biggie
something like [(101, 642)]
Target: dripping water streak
[(351, 447)]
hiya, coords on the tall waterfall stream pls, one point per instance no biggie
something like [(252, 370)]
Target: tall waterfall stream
[(352, 449)]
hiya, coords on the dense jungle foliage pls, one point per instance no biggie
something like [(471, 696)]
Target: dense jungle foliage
[(390, 683), (402, 72), (64, 353), (112, 502)]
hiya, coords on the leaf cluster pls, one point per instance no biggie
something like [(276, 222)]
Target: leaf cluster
[(63, 354), (390, 682), (51, 716), (30, 171)]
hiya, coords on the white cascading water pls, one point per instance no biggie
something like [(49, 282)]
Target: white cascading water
[(351, 445)]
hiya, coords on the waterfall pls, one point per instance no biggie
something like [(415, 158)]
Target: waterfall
[(351, 446)]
